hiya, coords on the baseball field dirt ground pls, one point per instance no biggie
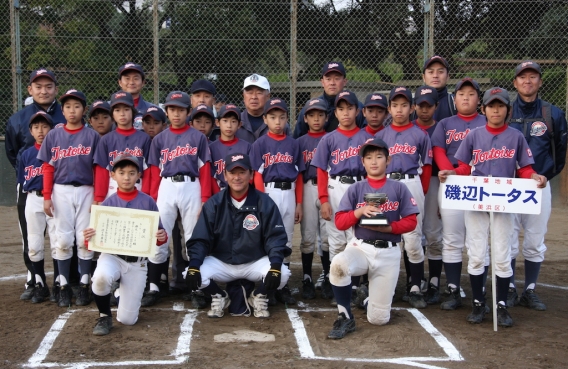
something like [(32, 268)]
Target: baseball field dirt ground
[(172, 335)]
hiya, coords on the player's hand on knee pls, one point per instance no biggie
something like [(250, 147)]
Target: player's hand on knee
[(193, 278), (326, 211), (48, 207), (443, 174), (273, 277), (541, 180), (161, 235), (298, 214)]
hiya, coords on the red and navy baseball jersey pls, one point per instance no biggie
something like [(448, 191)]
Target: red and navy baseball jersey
[(219, 151), (71, 153), (450, 132), (400, 204), (118, 142), (338, 154), (179, 151), (409, 148), (278, 160), (308, 147), (31, 171), (496, 155), (136, 200)]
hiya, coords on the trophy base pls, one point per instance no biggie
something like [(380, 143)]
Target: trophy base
[(374, 221)]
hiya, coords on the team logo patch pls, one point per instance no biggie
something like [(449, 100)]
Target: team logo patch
[(413, 201), (314, 101), (529, 153), (250, 222), (118, 95), (376, 97), (332, 65), (254, 78), (398, 89), (425, 91), (153, 108), (177, 96), (275, 101), (538, 129), (41, 71), (344, 93)]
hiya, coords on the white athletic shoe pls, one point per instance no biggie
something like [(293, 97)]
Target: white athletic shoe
[(259, 304), (218, 305), (319, 282)]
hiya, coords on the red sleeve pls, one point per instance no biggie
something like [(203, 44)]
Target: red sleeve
[(214, 186), (47, 170), (463, 169), (155, 180), (158, 243), (405, 225), (525, 172), (345, 219), (205, 181), (425, 177), (258, 181), (441, 159), (322, 186), (146, 181), (299, 188), (102, 178)]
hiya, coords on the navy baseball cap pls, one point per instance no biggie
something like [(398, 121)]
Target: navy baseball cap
[(75, 94), (436, 59), (528, 64), (227, 109), (426, 94), (178, 98), (99, 105), (42, 72), (41, 115), (376, 142), (275, 103), (131, 66), (131, 159), (202, 109), (401, 91), (155, 112), (376, 99), (348, 96), (333, 66), (315, 104), (202, 85), (496, 93), (468, 81), (121, 97), (237, 160)]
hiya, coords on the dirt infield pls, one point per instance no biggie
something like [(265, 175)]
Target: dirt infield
[(173, 336)]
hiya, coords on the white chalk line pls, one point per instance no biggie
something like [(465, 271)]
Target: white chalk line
[(306, 350), (181, 353)]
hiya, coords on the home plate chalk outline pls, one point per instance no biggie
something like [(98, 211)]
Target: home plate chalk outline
[(181, 353), (306, 351)]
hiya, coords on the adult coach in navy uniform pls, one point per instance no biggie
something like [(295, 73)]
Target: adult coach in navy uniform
[(333, 81), (544, 127), (436, 73), (132, 79), (43, 89)]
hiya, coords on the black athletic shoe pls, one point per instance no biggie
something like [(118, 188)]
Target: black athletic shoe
[(503, 317), (54, 297), (285, 296), (477, 313), (432, 295), (65, 294), (103, 327), (530, 299), (83, 295), (308, 289), (416, 300), (326, 290), (453, 301), (40, 294), (341, 327), (200, 300), (150, 298), (512, 297), (28, 292), (406, 296)]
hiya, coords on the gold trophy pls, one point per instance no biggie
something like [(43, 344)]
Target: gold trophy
[(375, 199)]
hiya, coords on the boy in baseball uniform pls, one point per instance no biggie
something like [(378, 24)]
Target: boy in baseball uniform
[(67, 154), (375, 112), (374, 249), (99, 117), (312, 224), (411, 164), (278, 166), (30, 167), (131, 270), (154, 121), (495, 150), (202, 119)]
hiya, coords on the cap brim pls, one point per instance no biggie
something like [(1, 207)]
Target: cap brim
[(493, 98), (43, 76), (121, 102), (334, 70), (231, 112), (178, 104), (91, 111), (129, 69), (202, 89), (69, 96), (397, 94), (204, 113), (242, 166), (420, 101), (275, 107), (380, 105), (365, 146), (320, 108), (135, 163), (255, 85), (528, 67)]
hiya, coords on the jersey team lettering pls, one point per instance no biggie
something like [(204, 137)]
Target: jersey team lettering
[(169, 155), (453, 136), (402, 149), (32, 172), (219, 165), (136, 151), (339, 155), (503, 153), (278, 158), (59, 153), (308, 155), (386, 207)]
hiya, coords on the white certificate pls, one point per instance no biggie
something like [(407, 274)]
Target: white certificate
[(124, 231)]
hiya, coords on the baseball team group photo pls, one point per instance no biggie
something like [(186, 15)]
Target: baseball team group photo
[(397, 223)]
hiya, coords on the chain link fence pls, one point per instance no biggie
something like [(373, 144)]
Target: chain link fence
[(381, 43)]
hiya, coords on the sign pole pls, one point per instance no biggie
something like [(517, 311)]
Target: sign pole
[(493, 279)]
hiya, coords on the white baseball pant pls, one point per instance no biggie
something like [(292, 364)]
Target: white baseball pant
[(312, 226), (37, 221), (535, 227), (71, 214), (432, 224), (477, 235), (382, 265), (336, 239), (286, 202), (111, 268), (174, 196), (413, 239), (255, 271)]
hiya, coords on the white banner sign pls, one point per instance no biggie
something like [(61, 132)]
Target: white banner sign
[(500, 195)]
